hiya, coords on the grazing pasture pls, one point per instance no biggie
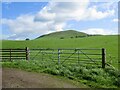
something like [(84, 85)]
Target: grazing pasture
[(110, 43), (92, 76)]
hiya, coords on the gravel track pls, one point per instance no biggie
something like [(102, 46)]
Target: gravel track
[(15, 78)]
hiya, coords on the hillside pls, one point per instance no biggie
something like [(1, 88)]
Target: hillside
[(110, 42), (93, 76), (64, 34)]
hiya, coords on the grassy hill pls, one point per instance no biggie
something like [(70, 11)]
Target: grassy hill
[(110, 42), (94, 77), (64, 34)]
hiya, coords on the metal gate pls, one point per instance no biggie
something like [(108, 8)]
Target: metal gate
[(69, 56)]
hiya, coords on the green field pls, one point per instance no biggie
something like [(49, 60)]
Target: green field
[(90, 75), (110, 43)]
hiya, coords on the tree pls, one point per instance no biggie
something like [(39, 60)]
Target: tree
[(61, 37), (27, 39)]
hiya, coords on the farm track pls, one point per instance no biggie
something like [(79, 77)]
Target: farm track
[(15, 78)]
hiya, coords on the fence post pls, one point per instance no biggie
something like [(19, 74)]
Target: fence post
[(27, 53), (58, 56), (10, 55), (103, 57)]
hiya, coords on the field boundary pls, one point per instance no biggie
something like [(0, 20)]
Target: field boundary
[(59, 56), (62, 55), (14, 54)]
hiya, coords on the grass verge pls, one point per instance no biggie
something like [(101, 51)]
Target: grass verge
[(91, 76)]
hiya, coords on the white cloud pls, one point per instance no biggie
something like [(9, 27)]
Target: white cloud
[(53, 17), (25, 24), (62, 12), (116, 20), (99, 31), (94, 14)]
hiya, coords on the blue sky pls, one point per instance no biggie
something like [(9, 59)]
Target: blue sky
[(15, 9), (22, 20)]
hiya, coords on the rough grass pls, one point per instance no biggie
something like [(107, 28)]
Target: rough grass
[(91, 76)]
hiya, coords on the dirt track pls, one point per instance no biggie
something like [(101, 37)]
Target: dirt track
[(14, 78)]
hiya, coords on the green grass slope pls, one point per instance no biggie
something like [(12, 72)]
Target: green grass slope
[(64, 34), (92, 76), (109, 42)]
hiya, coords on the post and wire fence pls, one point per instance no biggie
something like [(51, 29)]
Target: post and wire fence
[(57, 56)]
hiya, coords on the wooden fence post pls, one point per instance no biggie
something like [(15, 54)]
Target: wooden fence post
[(27, 53), (10, 55), (103, 57), (58, 56)]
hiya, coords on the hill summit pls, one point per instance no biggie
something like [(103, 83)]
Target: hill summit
[(65, 34)]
